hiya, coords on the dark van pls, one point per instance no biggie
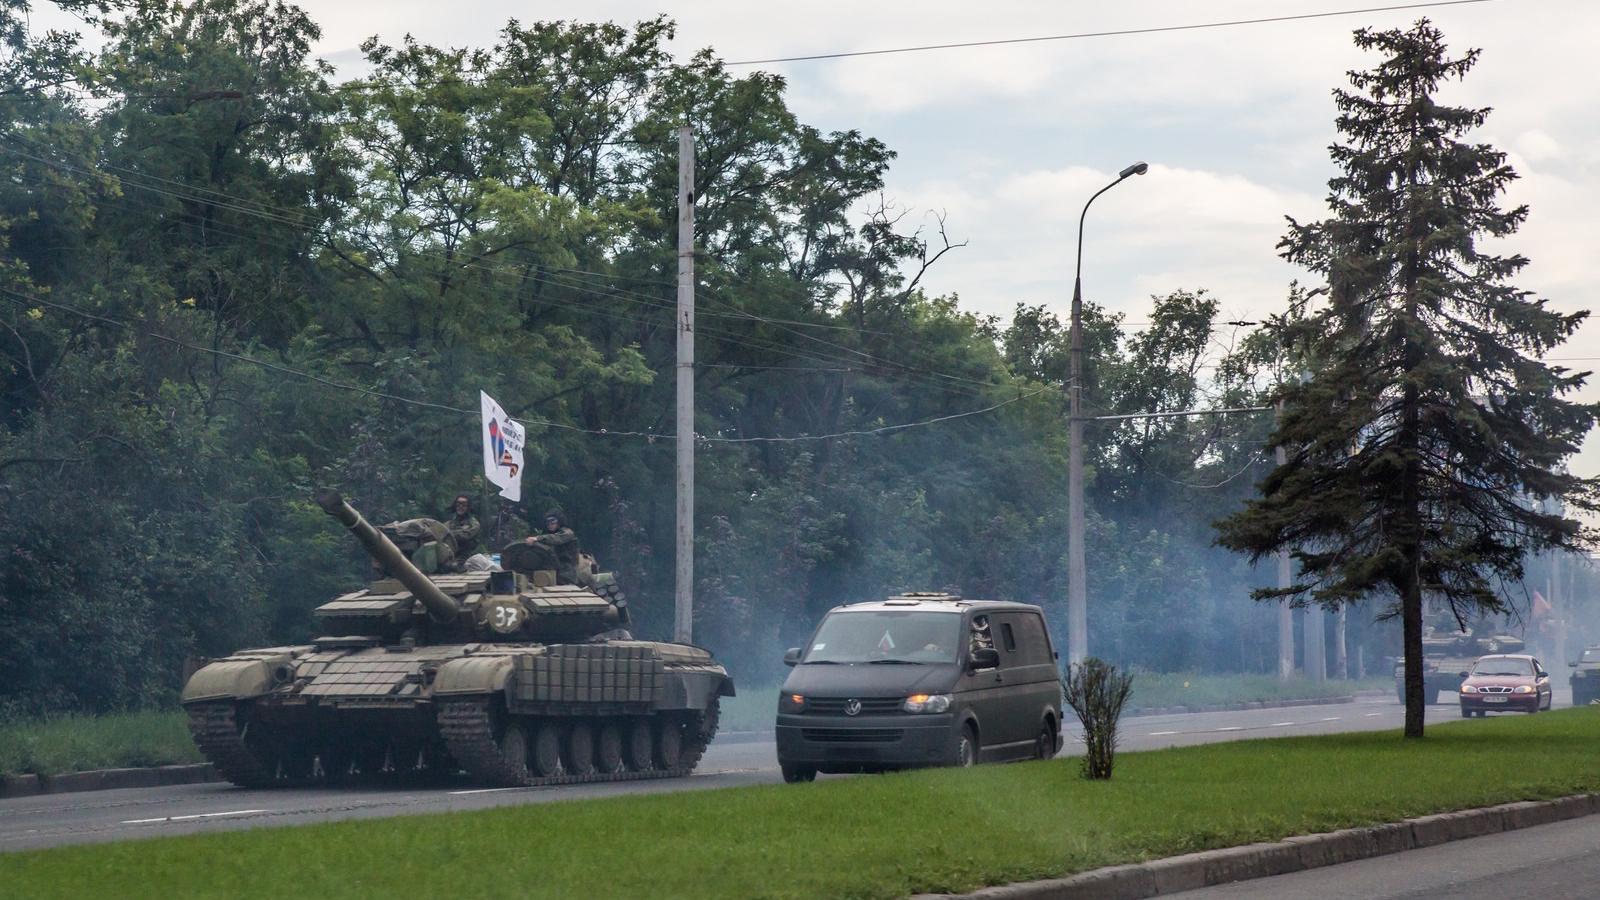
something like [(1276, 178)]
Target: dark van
[(919, 680)]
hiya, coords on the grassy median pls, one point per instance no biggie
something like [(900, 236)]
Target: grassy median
[(880, 836), (79, 743), (755, 707)]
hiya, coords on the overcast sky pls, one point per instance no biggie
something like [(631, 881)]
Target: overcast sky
[(1010, 141)]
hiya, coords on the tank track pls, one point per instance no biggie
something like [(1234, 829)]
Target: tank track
[(468, 730), (215, 729)]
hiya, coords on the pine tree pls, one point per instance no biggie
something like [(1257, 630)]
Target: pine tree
[(1423, 443)]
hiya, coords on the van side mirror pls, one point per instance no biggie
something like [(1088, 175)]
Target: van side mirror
[(984, 658), (1572, 665), (791, 656)]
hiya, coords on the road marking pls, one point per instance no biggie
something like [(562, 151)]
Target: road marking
[(1232, 728), (215, 815), (1161, 733), (486, 791), (1331, 719), (1282, 724), (1370, 715)]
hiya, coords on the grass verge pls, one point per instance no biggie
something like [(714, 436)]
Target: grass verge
[(1156, 689), (79, 743), (884, 836)]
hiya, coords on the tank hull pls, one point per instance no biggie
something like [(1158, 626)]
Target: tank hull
[(506, 714)]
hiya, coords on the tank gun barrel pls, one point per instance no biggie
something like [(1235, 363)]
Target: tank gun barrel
[(441, 606)]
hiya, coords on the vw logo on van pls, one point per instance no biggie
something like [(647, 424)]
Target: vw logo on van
[(852, 707)]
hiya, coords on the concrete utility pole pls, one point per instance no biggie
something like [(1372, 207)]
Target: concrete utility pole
[(1316, 643), (683, 607), (1285, 612), (1077, 584), (1341, 658)]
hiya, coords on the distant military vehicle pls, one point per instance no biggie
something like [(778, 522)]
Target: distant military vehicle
[(1586, 678), (1446, 654), (516, 679)]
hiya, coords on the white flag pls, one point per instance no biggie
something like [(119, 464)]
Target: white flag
[(502, 449)]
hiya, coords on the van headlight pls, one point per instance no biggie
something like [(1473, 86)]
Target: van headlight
[(926, 703), (792, 703)]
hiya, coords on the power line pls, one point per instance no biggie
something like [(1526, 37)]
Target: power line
[(1175, 414), (1155, 29), (30, 300)]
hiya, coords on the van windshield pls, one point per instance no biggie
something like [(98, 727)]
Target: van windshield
[(912, 636)]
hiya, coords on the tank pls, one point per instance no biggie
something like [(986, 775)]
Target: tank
[(1446, 654), (506, 675)]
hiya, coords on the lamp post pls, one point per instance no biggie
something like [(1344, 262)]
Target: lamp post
[(1077, 586)]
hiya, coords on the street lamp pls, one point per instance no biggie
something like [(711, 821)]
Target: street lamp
[(1077, 586)]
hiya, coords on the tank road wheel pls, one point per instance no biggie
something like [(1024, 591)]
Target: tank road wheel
[(297, 765), (513, 744), (669, 743), (370, 760), (608, 748), (482, 739), (641, 746), (578, 752), (545, 760), (336, 763)]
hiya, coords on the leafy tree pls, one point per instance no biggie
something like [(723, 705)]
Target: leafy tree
[(1421, 447)]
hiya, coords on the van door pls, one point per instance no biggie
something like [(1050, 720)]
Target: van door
[(1032, 683), (983, 690)]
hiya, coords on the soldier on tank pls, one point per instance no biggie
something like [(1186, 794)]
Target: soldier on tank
[(556, 548), (463, 526), (427, 542)]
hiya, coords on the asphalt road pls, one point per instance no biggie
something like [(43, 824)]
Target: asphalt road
[(55, 819), (1550, 862)]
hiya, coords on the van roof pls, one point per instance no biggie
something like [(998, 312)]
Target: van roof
[(934, 602)]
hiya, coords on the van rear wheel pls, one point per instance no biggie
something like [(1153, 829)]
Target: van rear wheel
[(1044, 746)]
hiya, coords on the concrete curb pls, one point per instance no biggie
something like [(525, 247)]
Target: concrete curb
[(105, 780), (1295, 854), (1236, 707)]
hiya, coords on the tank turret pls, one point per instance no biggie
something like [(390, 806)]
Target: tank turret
[(440, 605)]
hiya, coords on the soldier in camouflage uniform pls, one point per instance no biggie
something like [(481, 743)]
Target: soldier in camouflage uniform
[(464, 526), (556, 548), (427, 542)]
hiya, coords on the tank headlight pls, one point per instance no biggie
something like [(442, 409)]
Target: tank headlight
[(926, 703), (792, 703), (1523, 689)]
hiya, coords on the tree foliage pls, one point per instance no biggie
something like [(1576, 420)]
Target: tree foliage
[(1430, 434)]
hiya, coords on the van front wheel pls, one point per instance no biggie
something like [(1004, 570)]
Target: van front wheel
[(964, 747), (797, 774)]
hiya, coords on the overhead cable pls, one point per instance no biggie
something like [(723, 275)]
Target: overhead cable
[(1154, 29)]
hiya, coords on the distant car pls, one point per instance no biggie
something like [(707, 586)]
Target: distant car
[(1505, 683), (1586, 678), (919, 680)]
